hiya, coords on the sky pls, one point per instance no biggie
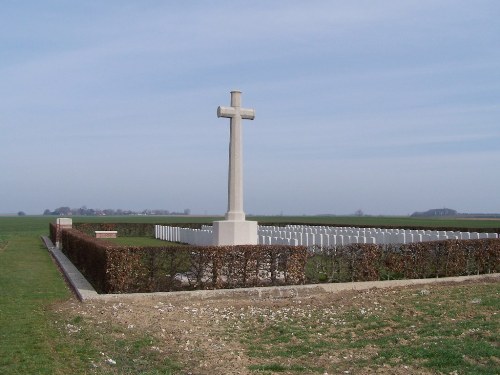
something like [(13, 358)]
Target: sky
[(388, 107)]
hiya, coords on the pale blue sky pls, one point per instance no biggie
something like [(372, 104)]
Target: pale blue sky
[(385, 106)]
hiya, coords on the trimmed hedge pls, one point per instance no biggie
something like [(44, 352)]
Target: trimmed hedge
[(120, 269), (88, 254), (369, 262), (53, 233)]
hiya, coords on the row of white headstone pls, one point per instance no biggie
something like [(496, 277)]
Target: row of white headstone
[(323, 236), (338, 236), (198, 237)]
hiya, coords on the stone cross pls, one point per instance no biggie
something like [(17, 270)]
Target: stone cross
[(235, 181)]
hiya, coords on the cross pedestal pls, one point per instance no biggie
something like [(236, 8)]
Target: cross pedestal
[(235, 230), (232, 232)]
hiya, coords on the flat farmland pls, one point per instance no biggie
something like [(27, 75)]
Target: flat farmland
[(9, 224)]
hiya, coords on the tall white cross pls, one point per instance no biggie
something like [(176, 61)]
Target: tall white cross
[(235, 180)]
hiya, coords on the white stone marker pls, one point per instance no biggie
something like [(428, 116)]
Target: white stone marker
[(62, 223), (235, 230)]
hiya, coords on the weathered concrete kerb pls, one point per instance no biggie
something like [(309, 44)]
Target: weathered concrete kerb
[(78, 283), (84, 291)]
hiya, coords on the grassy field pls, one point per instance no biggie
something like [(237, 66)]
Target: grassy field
[(29, 283), (139, 241), (40, 223), (449, 329), (372, 221), (34, 338)]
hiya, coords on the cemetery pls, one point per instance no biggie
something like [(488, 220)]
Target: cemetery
[(285, 255), (168, 332), (238, 253), (125, 269)]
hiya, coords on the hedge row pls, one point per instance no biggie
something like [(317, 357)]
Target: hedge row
[(119, 269), (367, 262), (53, 233)]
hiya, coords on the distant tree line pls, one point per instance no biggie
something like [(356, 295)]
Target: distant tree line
[(436, 212), (84, 211), (448, 212)]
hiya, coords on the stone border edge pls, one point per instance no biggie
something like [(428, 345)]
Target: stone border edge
[(80, 286), (84, 290)]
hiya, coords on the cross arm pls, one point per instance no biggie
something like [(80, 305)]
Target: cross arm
[(248, 114), (226, 111)]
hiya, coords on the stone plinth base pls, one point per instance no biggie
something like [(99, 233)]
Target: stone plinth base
[(105, 233), (229, 232), (62, 223)]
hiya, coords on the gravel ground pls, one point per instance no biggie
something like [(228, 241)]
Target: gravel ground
[(206, 336)]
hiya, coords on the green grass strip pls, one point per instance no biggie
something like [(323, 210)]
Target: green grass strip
[(140, 241), (29, 282), (34, 338)]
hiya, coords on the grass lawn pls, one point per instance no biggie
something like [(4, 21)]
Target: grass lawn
[(29, 283), (140, 241), (34, 338)]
